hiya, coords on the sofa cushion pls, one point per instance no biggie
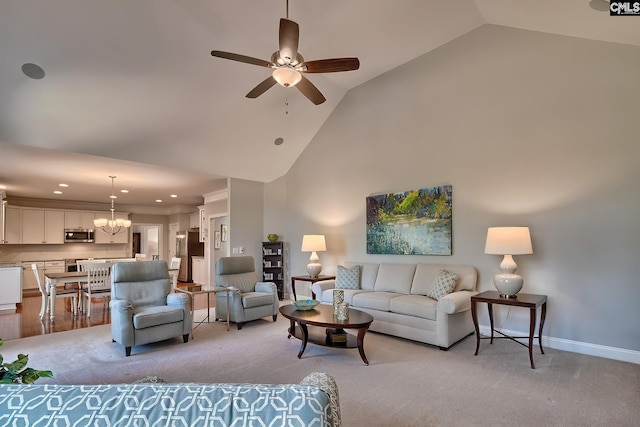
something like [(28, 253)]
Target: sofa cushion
[(327, 295), (256, 299), (395, 278), (348, 277), (147, 316), (167, 404), (368, 274), (414, 305), (443, 284), (373, 300)]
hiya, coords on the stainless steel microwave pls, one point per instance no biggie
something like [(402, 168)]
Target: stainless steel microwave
[(78, 235)]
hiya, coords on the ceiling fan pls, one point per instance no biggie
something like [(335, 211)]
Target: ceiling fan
[(288, 65)]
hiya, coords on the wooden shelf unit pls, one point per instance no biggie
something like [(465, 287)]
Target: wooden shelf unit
[(273, 265)]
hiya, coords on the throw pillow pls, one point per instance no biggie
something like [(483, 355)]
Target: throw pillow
[(443, 284), (348, 278)]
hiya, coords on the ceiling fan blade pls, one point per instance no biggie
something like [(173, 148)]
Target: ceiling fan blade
[(310, 91), (289, 35), (262, 87), (332, 65), (241, 58)]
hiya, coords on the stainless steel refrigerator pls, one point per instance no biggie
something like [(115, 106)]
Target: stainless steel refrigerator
[(187, 246)]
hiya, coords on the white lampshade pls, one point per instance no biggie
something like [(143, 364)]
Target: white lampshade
[(286, 76), (100, 222), (313, 243), (508, 241)]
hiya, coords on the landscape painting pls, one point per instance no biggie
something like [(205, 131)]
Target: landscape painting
[(416, 222)]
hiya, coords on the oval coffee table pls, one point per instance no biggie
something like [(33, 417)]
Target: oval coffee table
[(332, 334)]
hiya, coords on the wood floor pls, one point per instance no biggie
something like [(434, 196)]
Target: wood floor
[(25, 322)]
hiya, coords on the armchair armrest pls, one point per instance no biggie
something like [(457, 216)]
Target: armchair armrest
[(267, 287), (456, 302), (122, 322), (121, 307), (181, 300), (178, 299), (319, 287), (326, 383)]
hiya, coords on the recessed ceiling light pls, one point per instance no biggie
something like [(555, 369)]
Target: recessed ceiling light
[(124, 191), (33, 71), (278, 141), (158, 201), (3, 187), (57, 192), (174, 196), (63, 185)]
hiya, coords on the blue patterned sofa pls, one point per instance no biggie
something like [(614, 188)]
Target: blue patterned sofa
[(313, 402)]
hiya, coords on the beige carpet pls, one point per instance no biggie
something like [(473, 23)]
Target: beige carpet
[(406, 384)]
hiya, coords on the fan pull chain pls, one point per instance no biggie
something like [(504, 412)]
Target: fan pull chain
[(286, 107)]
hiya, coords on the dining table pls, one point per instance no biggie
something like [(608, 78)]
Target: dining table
[(55, 279)]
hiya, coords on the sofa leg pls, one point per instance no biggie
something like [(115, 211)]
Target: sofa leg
[(443, 348), (239, 324), (185, 338), (127, 351), (275, 317)]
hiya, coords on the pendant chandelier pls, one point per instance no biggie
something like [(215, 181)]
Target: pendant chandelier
[(112, 226)]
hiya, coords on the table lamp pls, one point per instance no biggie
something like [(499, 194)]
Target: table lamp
[(508, 241), (313, 243)]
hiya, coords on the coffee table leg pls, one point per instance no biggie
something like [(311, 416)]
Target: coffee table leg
[(305, 338), (292, 328), (361, 333)]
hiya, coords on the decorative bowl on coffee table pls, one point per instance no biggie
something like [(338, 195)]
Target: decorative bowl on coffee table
[(306, 304)]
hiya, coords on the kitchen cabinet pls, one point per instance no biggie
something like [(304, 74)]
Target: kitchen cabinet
[(79, 219), (42, 226), (29, 281), (198, 270), (194, 220), (54, 266), (13, 225), (100, 236), (10, 287)]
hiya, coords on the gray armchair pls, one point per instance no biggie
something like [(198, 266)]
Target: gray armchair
[(143, 309), (249, 300)]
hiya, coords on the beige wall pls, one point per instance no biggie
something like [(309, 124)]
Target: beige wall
[(530, 129)]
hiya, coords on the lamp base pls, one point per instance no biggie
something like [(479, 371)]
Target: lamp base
[(508, 284), (314, 269)]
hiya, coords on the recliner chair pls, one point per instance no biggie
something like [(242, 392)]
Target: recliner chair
[(143, 309), (249, 300)]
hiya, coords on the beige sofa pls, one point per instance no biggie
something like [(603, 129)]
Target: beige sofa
[(394, 294)]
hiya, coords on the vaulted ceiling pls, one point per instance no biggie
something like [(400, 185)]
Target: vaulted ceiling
[(133, 83)]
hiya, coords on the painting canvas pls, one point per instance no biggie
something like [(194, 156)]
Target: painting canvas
[(415, 222)]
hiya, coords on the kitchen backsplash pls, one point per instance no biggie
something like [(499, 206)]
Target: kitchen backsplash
[(21, 253)]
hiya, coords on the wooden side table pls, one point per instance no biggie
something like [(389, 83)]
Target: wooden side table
[(530, 301), (307, 279)]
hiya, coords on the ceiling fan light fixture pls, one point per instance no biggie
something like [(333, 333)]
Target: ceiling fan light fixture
[(286, 76)]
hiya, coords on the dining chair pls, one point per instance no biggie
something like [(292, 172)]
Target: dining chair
[(60, 293), (98, 284)]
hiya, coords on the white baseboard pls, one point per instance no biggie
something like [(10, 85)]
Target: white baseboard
[(614, 353)]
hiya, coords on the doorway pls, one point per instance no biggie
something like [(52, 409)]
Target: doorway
[(149, 241)]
